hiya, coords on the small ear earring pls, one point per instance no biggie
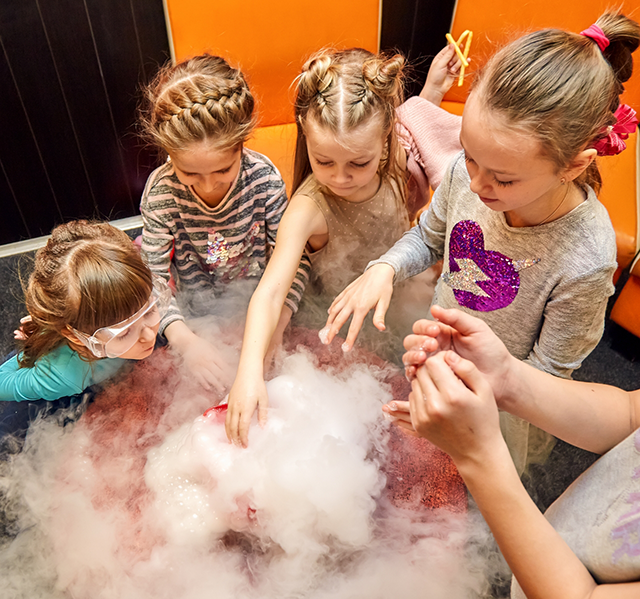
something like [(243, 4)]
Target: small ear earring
[(563, 181)]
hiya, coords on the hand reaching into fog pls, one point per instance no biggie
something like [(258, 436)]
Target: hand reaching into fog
[(444, 70), (207, 365), (372, 289), (204, 361), (246, 394), (469, 337)]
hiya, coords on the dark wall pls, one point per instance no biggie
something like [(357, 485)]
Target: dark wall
[(417, 28), (69, 75)]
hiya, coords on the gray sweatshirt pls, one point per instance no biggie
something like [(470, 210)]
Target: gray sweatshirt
[(543, 290)]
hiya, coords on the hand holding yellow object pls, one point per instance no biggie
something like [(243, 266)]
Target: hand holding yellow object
[(461, 54)]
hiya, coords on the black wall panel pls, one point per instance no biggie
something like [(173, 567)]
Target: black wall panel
[(69, 77), (417, 28)]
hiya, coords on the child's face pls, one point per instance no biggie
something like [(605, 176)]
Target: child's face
[(507, 170), (349, 169), (210, 172)]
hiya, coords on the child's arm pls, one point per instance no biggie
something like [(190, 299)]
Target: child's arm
[(59, 374), (444, 70), (591, 416), (275, 209), (301, 220), (453, 406), (201, 358)]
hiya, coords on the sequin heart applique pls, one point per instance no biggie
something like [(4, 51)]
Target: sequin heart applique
[(482, 280)]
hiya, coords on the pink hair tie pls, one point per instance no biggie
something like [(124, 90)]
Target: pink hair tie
[(597, 35), (626, 124)]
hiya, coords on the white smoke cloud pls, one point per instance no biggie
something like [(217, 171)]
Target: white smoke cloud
[(168, 509)]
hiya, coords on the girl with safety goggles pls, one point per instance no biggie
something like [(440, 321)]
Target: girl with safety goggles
[(92, 303)]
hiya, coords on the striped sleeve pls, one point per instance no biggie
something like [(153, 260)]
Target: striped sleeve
[(275, 208), (157, 238)]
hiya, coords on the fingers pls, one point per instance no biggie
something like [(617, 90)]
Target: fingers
[(262, 411), (243, 428), (381, 310), (462, 322), (467, 372), (354, 329), (231, 423)]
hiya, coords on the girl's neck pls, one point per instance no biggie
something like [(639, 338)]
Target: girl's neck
[(548, 208), (212, 200)]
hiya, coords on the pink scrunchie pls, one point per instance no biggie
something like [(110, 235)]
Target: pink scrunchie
[(613, 143), (597, 35)]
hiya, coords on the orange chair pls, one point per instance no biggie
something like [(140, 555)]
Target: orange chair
[(496, 22), (270, 41)]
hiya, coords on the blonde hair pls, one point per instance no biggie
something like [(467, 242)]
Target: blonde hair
[(200, 99), (561, 88), (89, 275), (341, 90)]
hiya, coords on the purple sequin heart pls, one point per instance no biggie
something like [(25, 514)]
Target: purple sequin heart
[(481, 279)]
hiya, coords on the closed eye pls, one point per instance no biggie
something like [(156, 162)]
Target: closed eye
[(502, 183), (361, 165)]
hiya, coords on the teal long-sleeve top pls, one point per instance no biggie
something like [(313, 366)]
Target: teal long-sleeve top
[(58, 374)]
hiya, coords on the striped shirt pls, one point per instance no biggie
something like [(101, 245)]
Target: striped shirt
[(212, 246)]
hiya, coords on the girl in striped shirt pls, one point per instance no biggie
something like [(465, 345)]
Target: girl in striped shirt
[(211, 212)]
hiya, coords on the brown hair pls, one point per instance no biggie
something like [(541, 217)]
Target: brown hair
[(341, 90), (89, 275), (200, 99), (561, 88)]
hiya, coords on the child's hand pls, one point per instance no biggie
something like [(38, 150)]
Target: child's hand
[(468, 336), (19, 332), (246, 394), (444, 70), (207, 365), (372, 289), (452, 405)]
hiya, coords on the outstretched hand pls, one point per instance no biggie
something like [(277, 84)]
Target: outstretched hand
[(373, 289), (470, 337), (207, 365), (245, 396), (444, 70)]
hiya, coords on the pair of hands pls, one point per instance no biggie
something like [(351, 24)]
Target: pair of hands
[(458, 369)]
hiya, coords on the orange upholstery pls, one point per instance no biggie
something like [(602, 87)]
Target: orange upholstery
[(279, 144), (271, 40)]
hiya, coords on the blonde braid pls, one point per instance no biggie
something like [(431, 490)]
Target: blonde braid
[(200, 99)]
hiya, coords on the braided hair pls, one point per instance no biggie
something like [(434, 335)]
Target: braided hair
[(200, 99)]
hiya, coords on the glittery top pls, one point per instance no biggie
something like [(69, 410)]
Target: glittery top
[(543, 289), (599, 516), (358, 232), (209, 247)]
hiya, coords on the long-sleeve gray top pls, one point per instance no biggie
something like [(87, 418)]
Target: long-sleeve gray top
[(543, 289)]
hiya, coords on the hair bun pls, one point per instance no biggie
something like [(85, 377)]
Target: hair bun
[(624, 37), (385, 75)]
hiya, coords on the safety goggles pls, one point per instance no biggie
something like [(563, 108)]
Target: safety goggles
[(116, 340)]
